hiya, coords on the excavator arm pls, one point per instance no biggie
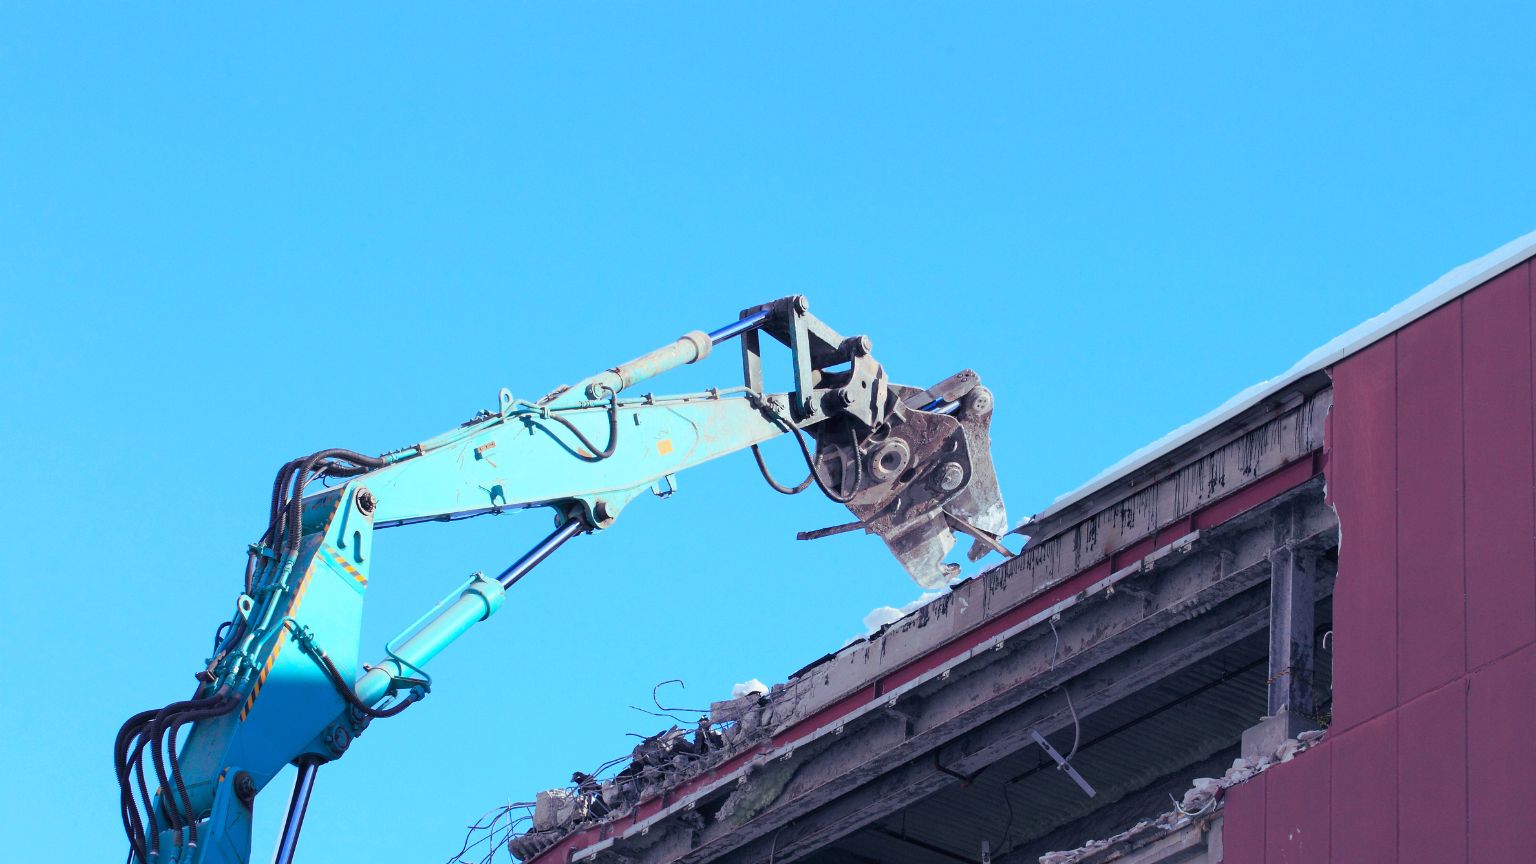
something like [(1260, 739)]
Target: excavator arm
[(285, 683)]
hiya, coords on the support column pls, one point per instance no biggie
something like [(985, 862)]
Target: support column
[(1292, 604)]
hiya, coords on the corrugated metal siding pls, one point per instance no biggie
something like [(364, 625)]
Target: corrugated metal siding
[(1430, 465)]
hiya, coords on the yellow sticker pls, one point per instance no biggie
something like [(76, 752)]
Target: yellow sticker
[(664, 446)]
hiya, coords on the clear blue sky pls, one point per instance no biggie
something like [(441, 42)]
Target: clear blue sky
[(229, 240)]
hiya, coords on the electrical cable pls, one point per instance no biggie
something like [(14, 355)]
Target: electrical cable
[(1077, 729), (1002, 845)]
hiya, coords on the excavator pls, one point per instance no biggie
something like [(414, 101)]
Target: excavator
[(284, 683)]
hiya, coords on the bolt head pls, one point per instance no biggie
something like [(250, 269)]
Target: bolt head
[(951, 476), (245, 788), (979, 401), (366, 503), (801, 304)]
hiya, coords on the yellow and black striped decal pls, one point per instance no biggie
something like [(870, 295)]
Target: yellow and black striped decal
[(266, 668), (343, 563), (293, 608)]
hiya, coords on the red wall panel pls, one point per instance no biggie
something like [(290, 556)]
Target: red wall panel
[(1501, 595), (1242, 833), (1364, 791), (1431, 465), (1501, 760), (1431, 588), (1296, 810), (1363, 484), (1432, 777)]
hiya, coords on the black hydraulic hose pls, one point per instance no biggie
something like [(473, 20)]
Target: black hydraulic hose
[(153, 737), (134, 768), (226, 705), (151, 824), (344, 689), (284, 479), (762, 468), (613, 430), (301, 479), (132, 825), (813, 463), (157, 728)]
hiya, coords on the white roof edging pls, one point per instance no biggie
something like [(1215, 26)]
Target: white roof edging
[(1427, 299)]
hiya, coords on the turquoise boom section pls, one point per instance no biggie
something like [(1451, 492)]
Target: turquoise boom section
[(478, 601), (527, 458)]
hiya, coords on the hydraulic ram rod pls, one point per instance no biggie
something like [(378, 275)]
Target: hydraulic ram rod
[(477, 601), (303, 785), (689, 348)]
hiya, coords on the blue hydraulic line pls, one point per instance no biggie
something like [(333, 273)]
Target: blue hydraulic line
[(938, 406), (537, 554), (294, 823), (736, 328)]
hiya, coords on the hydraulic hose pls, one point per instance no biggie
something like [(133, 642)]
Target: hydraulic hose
[(814, 463), (613, 430), (778, 487), (157, 729), (226, 705), (146, 729), (344, 689), (132, 825)]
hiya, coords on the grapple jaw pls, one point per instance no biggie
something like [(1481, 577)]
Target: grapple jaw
[(920, 473)]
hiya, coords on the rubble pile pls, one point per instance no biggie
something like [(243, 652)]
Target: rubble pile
[(658, 762)]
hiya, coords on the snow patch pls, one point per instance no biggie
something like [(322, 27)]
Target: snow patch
[(751, 685), (883, 615)]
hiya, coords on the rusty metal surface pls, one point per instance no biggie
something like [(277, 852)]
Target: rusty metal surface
[(915, 476)]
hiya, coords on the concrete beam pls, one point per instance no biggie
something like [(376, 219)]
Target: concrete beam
[(1196, 640), (1171, 613)]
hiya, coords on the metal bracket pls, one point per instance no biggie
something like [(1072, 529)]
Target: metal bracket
[(964, 779), (1062, 763)]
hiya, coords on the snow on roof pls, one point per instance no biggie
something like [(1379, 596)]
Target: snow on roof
[(1429, 298)]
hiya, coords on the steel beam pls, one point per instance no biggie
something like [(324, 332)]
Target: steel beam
[(1292, 577)]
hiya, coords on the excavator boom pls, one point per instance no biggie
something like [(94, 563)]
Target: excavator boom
[(285, 685)]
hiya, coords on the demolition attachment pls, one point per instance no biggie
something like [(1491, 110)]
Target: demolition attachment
[(915, 466)]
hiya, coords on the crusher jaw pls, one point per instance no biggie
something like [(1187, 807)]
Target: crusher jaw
[(915, 467)]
